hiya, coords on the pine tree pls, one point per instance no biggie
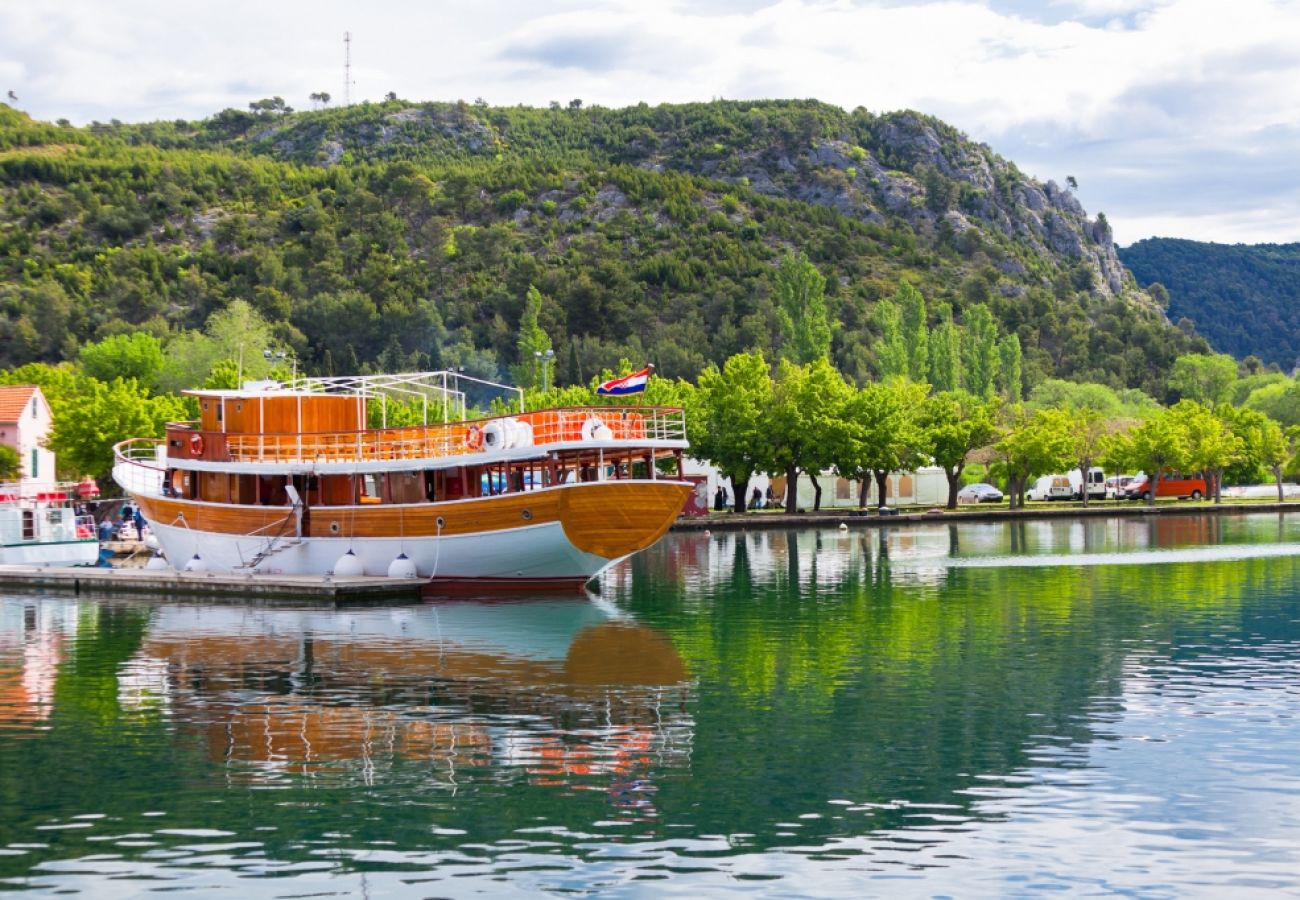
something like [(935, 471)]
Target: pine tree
[(533, 370)]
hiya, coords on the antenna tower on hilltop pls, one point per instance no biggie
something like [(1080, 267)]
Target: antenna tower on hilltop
[(347, 68)]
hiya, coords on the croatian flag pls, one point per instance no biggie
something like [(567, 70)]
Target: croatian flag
[(628, 384)]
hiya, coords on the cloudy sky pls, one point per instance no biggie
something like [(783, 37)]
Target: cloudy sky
[(1178, 118)]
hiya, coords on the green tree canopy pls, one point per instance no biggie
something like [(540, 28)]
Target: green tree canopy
[(1203, 377), (956, 423), (84, 432), (137, 355), (728, 419), (806, 422)]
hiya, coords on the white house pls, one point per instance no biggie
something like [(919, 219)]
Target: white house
[(25, 421)]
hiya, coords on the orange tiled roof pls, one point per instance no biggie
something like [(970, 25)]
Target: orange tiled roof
[(14, 401)]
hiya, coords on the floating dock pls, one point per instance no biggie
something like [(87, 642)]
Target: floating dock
[(264, 590)]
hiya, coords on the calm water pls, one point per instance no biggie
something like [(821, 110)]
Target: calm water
[(1101, 707)]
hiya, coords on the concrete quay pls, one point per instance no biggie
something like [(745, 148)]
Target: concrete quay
[(255, 590), (870, 518)]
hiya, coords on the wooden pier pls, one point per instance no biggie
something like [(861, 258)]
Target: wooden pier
[(256, 590)]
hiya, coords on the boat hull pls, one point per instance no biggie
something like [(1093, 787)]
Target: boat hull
[(550, 537), (51, 553)]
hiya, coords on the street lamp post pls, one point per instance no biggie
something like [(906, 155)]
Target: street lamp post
[(279, 356), (545, 359)]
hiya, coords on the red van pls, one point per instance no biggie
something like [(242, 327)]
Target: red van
[(1171, 484)]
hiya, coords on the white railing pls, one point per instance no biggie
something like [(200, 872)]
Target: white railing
[(610, 427), (136, 466)]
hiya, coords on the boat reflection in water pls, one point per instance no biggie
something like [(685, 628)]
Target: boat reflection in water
[(559, 691)]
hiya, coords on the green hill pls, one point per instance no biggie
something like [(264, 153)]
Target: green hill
[(1242, 298), (399, 234)]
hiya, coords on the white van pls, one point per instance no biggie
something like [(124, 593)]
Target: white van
[(1051, 487), (1096, 484)]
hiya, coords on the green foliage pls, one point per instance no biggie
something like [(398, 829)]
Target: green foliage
[(956, 423), (397, 234), (883, 432), (806, 421), (536, 369), (801, 305), (11, 464), (1010, 377), (981, 351), (1034, 442), (891, 349), (102, 415), (1205, 378), (1242, 298), (137, 356), (911, 307), (1279, 401), (728, 419), (235, 337), (945, 353)]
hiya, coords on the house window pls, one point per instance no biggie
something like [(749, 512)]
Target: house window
[(33, 407), (35, 459)]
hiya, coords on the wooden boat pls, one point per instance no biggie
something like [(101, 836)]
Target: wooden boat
[(309, 478)]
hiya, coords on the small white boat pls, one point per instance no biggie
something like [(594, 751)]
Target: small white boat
[(42, 528)]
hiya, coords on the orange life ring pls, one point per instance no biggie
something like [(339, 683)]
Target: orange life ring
[(474, 437), (196, 444)]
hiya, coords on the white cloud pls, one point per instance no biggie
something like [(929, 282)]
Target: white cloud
[(1144, 101)]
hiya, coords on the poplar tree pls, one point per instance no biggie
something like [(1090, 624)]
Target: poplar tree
[(911, 306), (891, 351), (1009, 368), (533, 371), (945, 353), (801, 305), (981, 351)]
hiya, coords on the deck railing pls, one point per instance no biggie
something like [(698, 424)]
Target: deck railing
[(629, 426)]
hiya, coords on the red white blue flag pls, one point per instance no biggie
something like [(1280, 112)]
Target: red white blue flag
[(628, 384)]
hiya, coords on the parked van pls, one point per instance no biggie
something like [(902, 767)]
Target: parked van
[(1096, 483), (1116, 485), (1051, 487), (1170, 484)]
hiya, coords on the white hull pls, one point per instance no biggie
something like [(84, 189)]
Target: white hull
[(54, 553), (541, 553)]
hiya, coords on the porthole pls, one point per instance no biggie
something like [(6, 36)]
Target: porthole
[(334, 528), (527, 515), (440, 522)]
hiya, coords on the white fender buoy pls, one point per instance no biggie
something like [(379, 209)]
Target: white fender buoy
[(521, 434), (844, 526), (595, 430), (196, 564), (349, 565), (157, 561), (402, 567), (151, 541), (494, 436)]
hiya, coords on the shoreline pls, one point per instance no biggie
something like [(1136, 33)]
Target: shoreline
[(870, 518)]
